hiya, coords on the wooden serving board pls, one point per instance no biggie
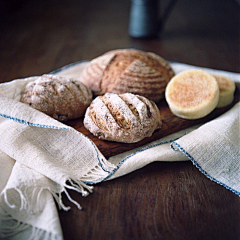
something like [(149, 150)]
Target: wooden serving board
[(171, 124)]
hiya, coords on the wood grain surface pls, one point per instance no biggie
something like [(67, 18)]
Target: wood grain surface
[(164, 200)]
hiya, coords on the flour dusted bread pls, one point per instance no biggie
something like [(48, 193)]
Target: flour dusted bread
[(124, 117), (227, 89), (128, 70), (192, 94), (58, 97)]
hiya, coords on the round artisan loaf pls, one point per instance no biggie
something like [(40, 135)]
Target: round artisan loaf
[(128, 70), (124, 117), (227, 89), (192, 94), (59, 97)]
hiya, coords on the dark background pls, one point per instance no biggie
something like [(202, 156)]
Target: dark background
[(162, 200), (59, 32)]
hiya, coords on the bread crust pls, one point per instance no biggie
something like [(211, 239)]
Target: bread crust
[(128, 70), (124, 117), (59, 97)]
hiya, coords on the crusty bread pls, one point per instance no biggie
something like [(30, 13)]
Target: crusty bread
[(227, 89), (128, 70), (192, 94), (58, 97), (124, 117)]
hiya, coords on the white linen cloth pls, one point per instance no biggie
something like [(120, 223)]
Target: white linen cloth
[(42, 158)]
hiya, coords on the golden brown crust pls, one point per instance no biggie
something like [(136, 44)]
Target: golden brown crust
[(58, 97), (122, 117), (128, 70)]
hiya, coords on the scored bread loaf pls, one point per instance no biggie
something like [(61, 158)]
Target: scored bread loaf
[(124, 117), (128, 70), (192, 94), (59, 97)]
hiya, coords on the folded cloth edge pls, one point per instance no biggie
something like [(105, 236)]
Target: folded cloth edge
[(180, 145)]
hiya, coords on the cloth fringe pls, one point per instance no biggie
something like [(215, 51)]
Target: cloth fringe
[(98, 173), (14, 227), (106, 165), (30, 198), (95, 175), (31, 204), (29, 201)]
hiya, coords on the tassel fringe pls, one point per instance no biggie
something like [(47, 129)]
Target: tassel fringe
[(96, 175), (29, 200), (13, 227)]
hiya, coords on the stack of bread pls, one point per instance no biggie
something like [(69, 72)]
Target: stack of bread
[(193, 94), (126, 84)]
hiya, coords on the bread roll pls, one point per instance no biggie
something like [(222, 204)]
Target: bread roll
[(192, 94), (128, 70), (58, 97), (124, 117), (227, 89)]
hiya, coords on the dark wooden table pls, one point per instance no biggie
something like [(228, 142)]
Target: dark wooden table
[(162, 200)]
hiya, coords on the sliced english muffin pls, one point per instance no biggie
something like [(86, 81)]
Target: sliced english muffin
[(192, 94), (227, 89)]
